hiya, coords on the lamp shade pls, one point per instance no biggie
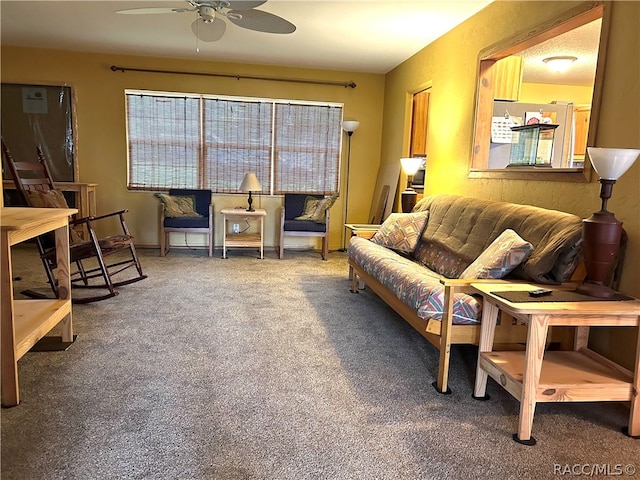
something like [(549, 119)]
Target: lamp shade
[(250, 183), (411, 165), (350, 126), (611, 163)]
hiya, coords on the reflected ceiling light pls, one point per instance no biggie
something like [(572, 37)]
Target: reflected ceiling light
[(559, 64)]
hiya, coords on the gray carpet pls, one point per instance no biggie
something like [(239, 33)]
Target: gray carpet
[(270, 369)]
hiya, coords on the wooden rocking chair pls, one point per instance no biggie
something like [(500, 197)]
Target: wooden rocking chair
[(34, 183)]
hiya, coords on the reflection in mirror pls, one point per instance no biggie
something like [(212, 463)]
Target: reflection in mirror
[(532, 116)]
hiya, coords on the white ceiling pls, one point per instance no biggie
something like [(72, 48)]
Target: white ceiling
[(581, 43), (370, 36)]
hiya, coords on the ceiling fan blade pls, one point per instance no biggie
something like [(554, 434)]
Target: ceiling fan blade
[(136, 11), (245, 4), (208, 31), (261, 21)]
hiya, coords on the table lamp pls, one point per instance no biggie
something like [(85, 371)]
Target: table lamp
[(409, 196), (250, 184), (601, 231)]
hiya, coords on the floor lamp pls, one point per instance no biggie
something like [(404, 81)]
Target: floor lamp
[(348, 126)]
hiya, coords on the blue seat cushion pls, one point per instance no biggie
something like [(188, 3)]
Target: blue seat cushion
[(187, 222), (303, 226)]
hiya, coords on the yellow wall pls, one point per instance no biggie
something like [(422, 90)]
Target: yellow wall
[(451, 64), (100, 126)]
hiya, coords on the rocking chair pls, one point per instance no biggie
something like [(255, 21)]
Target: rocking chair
[(34, 183)]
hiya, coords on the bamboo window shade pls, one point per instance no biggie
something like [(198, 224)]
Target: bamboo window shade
[(205, 142)]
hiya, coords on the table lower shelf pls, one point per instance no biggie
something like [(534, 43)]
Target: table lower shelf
[(575, 376), (34, 319), (243, 240)]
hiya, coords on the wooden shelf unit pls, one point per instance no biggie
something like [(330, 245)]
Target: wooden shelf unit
[(24, 322)]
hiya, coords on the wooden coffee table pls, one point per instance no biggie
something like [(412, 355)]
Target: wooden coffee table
[(534, 375)]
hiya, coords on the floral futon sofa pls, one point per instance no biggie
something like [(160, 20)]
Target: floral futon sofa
[(422, 263)]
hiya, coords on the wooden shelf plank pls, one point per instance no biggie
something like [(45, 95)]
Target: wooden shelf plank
[(34, 319), (244, 240), (567, 376)]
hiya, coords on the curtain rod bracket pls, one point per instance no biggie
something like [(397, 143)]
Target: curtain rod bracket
[(351, 84)]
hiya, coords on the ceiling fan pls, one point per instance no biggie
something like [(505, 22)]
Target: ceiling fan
[(209, 26)]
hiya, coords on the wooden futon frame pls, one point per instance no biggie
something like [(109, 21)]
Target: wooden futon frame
[(442, 334)]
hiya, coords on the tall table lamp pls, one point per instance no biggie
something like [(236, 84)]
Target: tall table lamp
[(348, 126), (250, 184), (601, 231), (409, 196)]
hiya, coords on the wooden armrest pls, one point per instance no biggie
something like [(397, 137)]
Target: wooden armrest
[(107, 215), (80, 221)]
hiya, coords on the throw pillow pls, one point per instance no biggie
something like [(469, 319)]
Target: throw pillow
[(178, 205), (401, 231), (503, 255), (46, 198), (315, 208)]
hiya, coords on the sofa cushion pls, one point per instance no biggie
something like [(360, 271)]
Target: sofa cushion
[(401, 231), (415, 285), (503, 255), (440, 259), (468, 226)]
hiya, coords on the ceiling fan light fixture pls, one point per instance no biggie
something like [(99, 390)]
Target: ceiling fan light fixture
[(207, 13), (559, 63)]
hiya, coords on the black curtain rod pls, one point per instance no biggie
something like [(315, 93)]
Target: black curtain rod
[(115, 68)]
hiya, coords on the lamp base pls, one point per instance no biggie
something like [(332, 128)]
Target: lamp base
[(250, 200), (409, 198), (595, 290), (601, 233)]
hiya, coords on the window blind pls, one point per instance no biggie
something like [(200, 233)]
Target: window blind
[(201, 141)]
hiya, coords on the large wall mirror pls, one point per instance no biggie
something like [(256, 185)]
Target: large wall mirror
[(538, 98)]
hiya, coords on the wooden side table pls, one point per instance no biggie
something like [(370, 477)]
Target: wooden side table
[(362, 230), (534, 375), (24, 322), (242, 240)]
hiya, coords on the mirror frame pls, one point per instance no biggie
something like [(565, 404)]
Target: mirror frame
[(562, 23)]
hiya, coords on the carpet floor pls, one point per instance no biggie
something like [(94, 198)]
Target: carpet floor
[(271, 369)]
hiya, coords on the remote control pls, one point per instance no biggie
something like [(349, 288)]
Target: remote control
[(541, 292)]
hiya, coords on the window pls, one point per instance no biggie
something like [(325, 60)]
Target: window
[(201, 141)]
